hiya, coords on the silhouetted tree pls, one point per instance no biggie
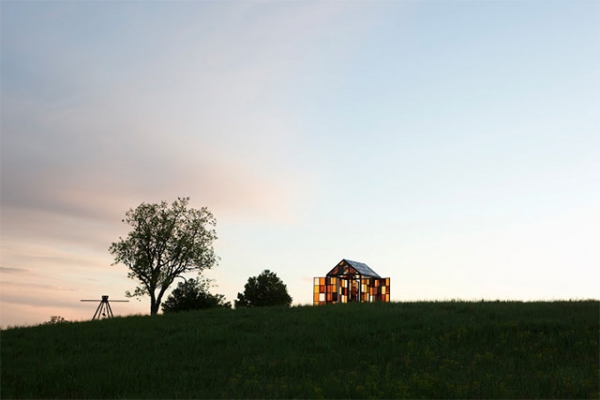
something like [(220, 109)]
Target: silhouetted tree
[(164, 243), (263, 291), (55, 319), (193, 294)]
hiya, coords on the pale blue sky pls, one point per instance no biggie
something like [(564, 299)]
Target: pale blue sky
[(452, 146)]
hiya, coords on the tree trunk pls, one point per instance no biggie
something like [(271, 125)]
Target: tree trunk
[(156, 301), (153, 305)]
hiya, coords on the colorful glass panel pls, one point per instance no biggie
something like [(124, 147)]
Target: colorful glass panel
[(351, 288)]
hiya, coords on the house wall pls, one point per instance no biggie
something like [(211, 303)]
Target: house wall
[(331, 289)]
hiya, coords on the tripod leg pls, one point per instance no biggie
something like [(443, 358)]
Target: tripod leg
[(110, 313), (98, 310)]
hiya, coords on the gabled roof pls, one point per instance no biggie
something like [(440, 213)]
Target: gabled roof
[(349, 267)]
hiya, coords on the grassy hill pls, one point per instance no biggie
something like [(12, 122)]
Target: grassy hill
[(394, 350)]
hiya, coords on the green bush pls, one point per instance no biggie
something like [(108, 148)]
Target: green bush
[(263, 291), (193, 294)]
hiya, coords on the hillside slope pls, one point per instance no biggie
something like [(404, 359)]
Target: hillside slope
[(393, 350)]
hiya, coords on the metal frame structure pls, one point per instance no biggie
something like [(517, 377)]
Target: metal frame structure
[(104, 309), (351, 281)]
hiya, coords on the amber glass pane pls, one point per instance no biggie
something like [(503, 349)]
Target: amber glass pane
[(383, 289), (316, 289), (316, 298), (328, 297), (322, 289), (387, 281), (387, 298), (321, 281)]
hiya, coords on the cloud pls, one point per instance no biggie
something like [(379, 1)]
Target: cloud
[(8, 270), (177, 127), (34, 285), (169, 108)]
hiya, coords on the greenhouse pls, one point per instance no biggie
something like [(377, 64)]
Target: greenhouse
[(351, 281)]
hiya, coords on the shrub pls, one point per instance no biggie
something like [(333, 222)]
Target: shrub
[(263, 291), (193, 294)]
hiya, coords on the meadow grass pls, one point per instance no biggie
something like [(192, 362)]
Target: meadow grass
[(383, 350)]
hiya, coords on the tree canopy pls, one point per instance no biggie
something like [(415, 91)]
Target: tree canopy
[(264, 290), (193, 294), (164, 243)]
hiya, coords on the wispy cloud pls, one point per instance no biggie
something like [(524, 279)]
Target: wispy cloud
[(8, 270), (13, 284)]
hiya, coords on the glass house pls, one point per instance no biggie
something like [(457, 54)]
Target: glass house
[(351, 281)]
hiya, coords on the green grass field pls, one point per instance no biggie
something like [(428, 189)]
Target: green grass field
[(394, 350)]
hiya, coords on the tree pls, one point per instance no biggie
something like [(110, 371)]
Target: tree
[(55, 319), (193, 294), (164, 243), (263, 291)]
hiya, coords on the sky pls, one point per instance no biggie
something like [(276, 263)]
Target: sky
[(453, 146)]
